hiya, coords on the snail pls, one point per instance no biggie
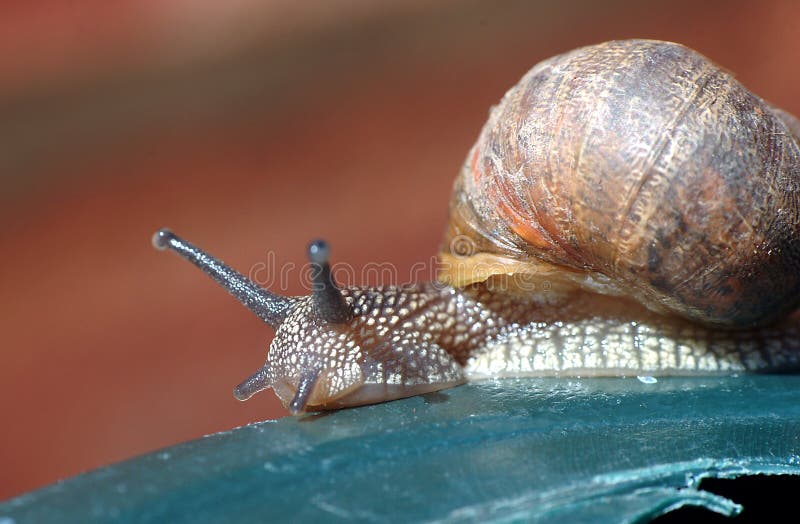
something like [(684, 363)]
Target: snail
[(629, 208)]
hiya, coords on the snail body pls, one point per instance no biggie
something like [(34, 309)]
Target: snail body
[(629, 208)]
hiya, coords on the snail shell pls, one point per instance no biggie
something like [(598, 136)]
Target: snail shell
[(647, 167), (623, 203)]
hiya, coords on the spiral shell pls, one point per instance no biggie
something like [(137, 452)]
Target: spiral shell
[(642, 168)]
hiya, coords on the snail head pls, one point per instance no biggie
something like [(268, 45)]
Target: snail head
[(335, 347), (324, 369)]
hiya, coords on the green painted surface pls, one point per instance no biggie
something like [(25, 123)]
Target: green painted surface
[(545, 450)]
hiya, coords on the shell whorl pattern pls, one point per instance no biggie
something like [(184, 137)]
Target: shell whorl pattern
[(644, 162)]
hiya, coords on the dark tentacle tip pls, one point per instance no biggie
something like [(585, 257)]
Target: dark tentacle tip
[(241, 394), (303, 394), (258, 381), (318, 252), (161, 238)]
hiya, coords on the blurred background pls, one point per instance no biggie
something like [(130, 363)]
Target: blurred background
[(249, 127)]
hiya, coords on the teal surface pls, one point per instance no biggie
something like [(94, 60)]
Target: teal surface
[(542, 450)]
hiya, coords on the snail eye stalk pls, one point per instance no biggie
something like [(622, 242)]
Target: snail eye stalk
[(329, 303), (270, 308)]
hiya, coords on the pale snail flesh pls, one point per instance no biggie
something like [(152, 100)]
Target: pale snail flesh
[(629, 209)]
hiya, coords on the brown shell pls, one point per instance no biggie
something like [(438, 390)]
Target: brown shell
[(644, 162)]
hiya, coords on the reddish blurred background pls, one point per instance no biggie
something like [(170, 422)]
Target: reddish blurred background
[(248, 127)]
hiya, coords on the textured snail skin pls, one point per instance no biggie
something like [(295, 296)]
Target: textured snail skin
[(408, 341), (628, 209)]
